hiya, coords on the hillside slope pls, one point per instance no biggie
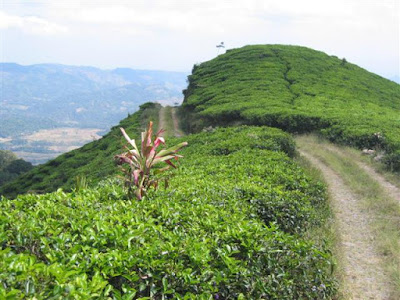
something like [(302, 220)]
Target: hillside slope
[(94, 160), (299, 90)]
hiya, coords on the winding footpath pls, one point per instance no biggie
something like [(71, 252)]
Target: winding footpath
[(363, 273), (177, 131), (168, 115)]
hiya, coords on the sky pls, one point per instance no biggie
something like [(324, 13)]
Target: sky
[(176, 34)]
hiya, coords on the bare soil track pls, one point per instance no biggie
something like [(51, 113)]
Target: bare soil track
[(177, 131), (363, 272), (168, 120)]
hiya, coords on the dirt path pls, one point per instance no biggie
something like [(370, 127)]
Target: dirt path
[(390, 189), (364, 277), (177, 131), (161, 120), (168, 120)]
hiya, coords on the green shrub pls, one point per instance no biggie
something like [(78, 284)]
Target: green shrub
[(142, 172), (393, 161), (221, 231), (11, 167)]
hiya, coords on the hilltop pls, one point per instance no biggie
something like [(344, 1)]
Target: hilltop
[(299, 90)]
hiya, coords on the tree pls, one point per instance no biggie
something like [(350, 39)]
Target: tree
[(6, 157), (18, 166)]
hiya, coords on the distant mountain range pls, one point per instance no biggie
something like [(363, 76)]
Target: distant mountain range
[(48, 96), (51, 95)]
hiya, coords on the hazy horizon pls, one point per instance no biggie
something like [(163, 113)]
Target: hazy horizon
[(91, 66)]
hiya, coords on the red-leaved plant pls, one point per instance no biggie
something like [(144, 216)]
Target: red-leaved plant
[(141, 173)]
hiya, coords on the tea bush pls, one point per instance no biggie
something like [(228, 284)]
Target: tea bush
[(298, 90), (230, 226)]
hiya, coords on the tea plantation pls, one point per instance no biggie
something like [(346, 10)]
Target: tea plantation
[(299, 90), (233, 224), (239, 217)]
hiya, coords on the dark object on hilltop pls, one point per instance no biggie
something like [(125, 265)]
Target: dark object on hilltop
[(11, 166)]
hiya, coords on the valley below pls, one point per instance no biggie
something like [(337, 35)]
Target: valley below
[(43, 115), (45, 144)]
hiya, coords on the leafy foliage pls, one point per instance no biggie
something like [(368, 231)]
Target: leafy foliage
[(221, 231), (81, 183), (299, 90), (142, 164)]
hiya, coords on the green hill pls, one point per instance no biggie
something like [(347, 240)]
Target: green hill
[(93, 161), (299, 90), (293, 88)]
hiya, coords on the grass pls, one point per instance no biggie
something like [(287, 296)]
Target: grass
[(177, 126), (384, 210), (379, 167)]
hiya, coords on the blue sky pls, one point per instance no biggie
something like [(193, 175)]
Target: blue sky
[(174, 35)]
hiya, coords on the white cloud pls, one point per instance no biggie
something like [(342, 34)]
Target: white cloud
[(7, 21), (197, 19), (234, 18), (30, 24), (168, 33)]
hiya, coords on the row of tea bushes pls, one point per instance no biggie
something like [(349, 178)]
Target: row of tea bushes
[(230, 226)]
